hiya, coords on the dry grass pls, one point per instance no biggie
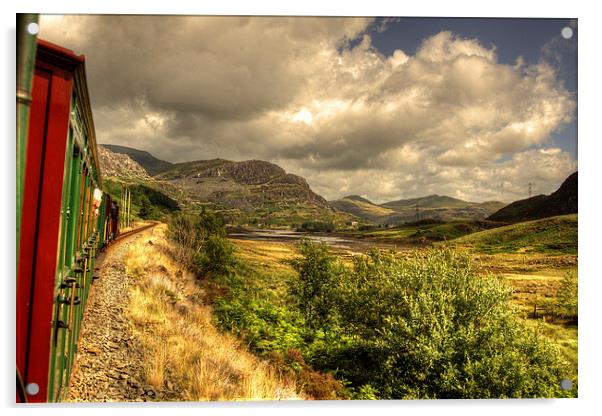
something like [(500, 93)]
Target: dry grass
[(181, 345)]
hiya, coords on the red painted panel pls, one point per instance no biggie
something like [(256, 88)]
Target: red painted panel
[(41, 87), (49, 199)]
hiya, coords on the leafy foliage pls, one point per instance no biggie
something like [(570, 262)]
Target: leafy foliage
[(216, 256), (201, 243), (428, 326)]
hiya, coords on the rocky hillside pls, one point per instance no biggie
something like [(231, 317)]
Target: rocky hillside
[(435, 207), (150, 163), (120, 165), (561, 202), (243, 185)]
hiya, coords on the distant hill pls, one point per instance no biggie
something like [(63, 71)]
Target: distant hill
[(363, 208), (358, 198), (563, 201), (150, 163), (430, 201), (435, 207), (246, 185), (553, 235)]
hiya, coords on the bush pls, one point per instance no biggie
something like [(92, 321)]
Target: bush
[(201, 243), (217, 255), (426, 326), (317, 227)]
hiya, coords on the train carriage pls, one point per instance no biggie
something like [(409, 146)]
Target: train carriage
[(63, 218)]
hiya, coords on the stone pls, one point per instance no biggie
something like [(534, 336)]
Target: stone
[(93, 350)]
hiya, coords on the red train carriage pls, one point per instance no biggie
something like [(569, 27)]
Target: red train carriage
[(63, 221)]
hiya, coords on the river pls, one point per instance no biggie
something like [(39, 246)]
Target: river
[(355, 245)]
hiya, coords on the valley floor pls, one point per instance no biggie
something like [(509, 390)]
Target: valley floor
[(170, 340)]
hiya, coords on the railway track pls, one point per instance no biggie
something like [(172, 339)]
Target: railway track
[(126, 234)]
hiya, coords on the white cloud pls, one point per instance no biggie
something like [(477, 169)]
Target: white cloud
[(349, 119)]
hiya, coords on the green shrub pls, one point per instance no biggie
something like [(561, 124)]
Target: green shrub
[(216, 256), (425, 326), (264, 326), (201, 243)]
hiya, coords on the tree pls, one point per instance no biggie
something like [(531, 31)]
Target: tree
[(567, 297), (318, 274)]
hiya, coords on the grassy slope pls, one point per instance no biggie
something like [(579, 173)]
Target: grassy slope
[(175, 329), (554, 235)]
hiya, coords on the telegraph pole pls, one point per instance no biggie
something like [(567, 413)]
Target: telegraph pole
[(122, 208), (417, 211), (129, 206)]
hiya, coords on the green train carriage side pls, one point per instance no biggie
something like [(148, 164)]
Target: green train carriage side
[(63, 222)]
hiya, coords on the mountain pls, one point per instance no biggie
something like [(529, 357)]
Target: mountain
[(431, 207), (150, 163), (246, 185), (563, 201)]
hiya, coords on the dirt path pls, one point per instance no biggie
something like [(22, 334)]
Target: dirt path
[(109, 362)]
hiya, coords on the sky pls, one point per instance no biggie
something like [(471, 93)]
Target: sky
[(385, 108)]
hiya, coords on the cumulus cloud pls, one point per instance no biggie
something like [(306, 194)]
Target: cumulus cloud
[(315, 96)]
